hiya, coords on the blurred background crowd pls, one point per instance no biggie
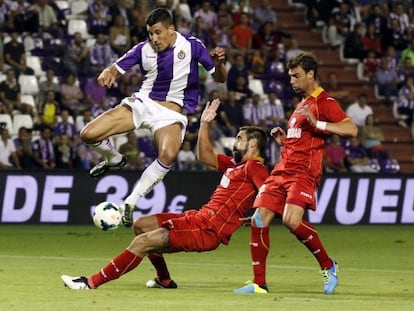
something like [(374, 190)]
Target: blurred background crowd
[(51, 52)]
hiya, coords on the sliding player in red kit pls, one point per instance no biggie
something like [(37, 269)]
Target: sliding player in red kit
[(194, 231), (290, 189)]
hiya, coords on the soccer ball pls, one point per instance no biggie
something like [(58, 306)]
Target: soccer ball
[(107, 216)]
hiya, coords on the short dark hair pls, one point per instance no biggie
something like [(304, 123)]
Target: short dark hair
[(258, 133), (307, 61), (159, 15)]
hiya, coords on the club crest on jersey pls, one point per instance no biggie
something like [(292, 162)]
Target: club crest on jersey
[(181, 54)]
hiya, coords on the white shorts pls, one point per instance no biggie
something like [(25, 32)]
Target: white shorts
[(148, 114)]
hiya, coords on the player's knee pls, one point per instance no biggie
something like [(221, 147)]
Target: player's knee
[(167, 156), (87, 135), (291, 222), (257, 220)]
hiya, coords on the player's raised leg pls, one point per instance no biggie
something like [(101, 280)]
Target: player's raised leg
[(96, 135)]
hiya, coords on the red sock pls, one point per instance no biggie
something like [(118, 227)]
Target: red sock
[(157, 260), (259, 248), (307, 234), (121, 264)]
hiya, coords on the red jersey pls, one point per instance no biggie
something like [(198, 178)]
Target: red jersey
[(234, 195), (302, 150)]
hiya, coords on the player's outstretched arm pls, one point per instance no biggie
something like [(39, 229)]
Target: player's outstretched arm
[(205, 151), (108, 76)]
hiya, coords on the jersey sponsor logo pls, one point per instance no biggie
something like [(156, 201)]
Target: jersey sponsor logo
[(294, 133), (292, 122), (305, 194), (181, 54)]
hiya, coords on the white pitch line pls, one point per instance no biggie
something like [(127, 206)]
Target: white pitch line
[(279, 267)]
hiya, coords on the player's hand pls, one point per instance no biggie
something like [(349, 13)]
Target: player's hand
[(108, 76), (210, 111), (218, 55), (247, 221), (305, 111), (278, 134)]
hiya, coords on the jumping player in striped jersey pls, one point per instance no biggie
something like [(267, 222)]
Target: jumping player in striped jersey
[(194, 230), (169, 61)]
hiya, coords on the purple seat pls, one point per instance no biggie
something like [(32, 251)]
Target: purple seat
[(389, 166)]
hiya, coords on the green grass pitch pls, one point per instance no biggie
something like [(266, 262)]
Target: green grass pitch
[(376, 271)]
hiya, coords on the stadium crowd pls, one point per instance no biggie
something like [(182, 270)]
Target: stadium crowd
[(51, 53)]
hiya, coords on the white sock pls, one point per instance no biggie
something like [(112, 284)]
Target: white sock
[(151, 176), (107, 150)]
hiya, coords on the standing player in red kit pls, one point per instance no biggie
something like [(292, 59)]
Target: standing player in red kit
[(194, 231), (290, 188)]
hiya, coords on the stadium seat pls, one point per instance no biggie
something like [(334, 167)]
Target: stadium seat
[(77, 10), (20, 120), (28, 84), (6, 120), (28, 99), (227, 143), (78, 25), (35, 63), (2, 77)]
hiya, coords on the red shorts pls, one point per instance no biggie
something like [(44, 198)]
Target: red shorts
[(282, 189), (188, 232)]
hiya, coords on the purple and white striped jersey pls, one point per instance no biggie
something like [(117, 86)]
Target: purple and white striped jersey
[(170, 75)]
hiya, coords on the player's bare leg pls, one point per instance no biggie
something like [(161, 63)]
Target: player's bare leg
[(97, 132)]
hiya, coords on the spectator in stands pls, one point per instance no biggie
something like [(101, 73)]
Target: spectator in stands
[(353, 44), (185, 157), (222, 35), (387, 81), (336, 90), (81, 121), (200, 31), (48, 22), (72, 95), (120, 8), (398, 13), (334, 157), (331, 33), (292, 49), (101, 54), (237, 69), (394, 37), (49, 109), (5, 11), (377, 17), (263, 13), (408, 53), (132, 85), (242, 89), (224, 16), (43, 151), (253, 111), (24, 16), (10, 95), (231, 116), (99, 17), (405, 102), (269, 36), (65, 125), (372, 41), (96, 96), (50, 84), (76, 58), (207, 15), (131, 151), (370, 66), (24, 149), (406, 69), (15, 55), (242, 34), (357, 158), (372, 138), (64, 153), (318, 11), (8, 155), (119, 36), (359, 110), (238, 8), (274, 112)]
